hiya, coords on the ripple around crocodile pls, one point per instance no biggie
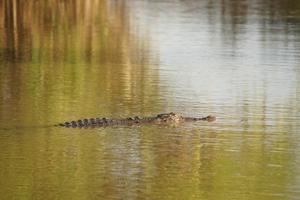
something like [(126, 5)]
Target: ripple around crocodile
[(165, 118)]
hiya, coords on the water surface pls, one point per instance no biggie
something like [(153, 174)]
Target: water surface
[(235, 59)]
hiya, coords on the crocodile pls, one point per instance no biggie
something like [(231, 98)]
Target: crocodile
[(165, 118)]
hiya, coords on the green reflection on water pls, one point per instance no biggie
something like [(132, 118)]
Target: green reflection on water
[(143, 162), (68, 60), (78, 60)]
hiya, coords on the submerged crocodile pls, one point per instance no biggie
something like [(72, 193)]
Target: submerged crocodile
[(166, 118)]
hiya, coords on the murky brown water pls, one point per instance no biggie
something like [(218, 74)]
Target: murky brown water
[(238, 60)]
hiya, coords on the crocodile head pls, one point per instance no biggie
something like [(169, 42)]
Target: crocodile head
[(169, 118)]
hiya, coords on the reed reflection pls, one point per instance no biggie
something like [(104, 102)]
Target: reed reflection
[(72, 59), (62, 56)]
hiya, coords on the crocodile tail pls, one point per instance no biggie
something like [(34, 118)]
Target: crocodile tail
[(66, 124), (60, 125), (92, 122), (71, 124)]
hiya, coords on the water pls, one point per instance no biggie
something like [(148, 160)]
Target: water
[(238, 60)]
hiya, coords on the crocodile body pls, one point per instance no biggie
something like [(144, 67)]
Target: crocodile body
[(166, 118)]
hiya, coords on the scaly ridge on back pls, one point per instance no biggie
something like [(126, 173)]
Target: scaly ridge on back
[(164, 118)]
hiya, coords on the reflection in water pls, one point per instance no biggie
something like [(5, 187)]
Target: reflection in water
[(77, 58), (247, 71), (236, 59)]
